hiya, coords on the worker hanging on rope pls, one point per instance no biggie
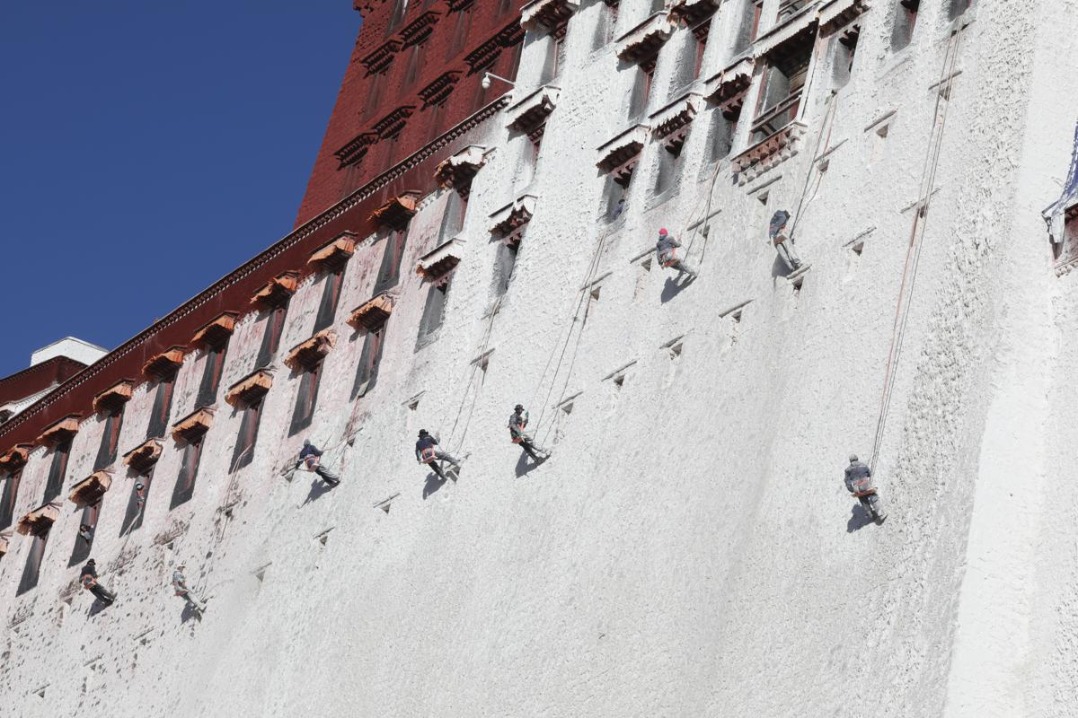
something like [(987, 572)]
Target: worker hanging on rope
[(859, 483), (784, 245), (518, 421), (86, 533), (88, 579), (428, 452), (311, 457), (666, 249), (179, 584)]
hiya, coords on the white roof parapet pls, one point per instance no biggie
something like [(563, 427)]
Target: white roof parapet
[(546, 14), (71, 347), (617, 151), (646, 38), (513, 215), (676, 115), (440, 261), (802, 21), (533, 110), (835, 14)]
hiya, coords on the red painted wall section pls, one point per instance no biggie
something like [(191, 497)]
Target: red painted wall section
[(412, 76), (38, 378)]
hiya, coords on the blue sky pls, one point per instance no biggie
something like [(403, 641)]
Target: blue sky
[(147, 148)]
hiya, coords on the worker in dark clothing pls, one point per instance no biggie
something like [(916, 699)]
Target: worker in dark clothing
[(310, 456), (666, 249), (859, 483), (518, 420), (88, 579), (784, 245), (427, 452)]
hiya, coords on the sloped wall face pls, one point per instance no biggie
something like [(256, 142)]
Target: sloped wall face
[(689, 548)]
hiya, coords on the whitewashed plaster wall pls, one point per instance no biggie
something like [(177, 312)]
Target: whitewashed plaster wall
[(686, 551)]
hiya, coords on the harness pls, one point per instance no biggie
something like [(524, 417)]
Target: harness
[(668, 258), (311, 462), (88, 581), (428, 455)]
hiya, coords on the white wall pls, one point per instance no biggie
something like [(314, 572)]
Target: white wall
[(687, 550)]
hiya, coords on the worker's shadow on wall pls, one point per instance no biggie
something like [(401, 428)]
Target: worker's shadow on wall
[(858, 519), (434, 482), (674, 287), (525, 465), (319, 489), (188, 613), (779, 268), (97, 607)]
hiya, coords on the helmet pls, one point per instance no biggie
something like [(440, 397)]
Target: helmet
[(663, 232), (853, 458), (306, 442), (422, 433), (91, 561), (518, 407), (139, 485)]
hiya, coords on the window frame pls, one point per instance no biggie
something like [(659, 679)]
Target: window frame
[(212, 369), (184, 489), (54, 483), (306, 398)]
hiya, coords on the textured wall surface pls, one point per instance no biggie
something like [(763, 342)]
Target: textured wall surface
[(689, 549)]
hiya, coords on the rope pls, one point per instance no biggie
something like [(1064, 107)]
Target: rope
[(813, 169), (829, 123), (581, 301), (484, 343), (913, 252)]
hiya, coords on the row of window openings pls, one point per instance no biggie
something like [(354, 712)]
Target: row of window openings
[(785, 83), (243, 453)]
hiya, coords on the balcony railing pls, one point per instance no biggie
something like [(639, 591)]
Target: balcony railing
[(778, 116), (789, 8)]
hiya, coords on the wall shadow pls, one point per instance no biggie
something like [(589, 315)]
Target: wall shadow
[(859, 518), (434, 482), (674, 287), (779, 268), (525, 465), (319, 488)]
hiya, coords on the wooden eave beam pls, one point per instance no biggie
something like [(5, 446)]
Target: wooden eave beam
[(115, 396), (309, 353), (276, 291), (194, 425), (335, 253), (15, 458), (90, 490), (164, 365), (38, 520), (250, 388), (373, 313), (397, 212), (143, 457), (217, 331), (59, 431)]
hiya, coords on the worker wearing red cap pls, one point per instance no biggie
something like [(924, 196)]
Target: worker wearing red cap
[(666, 248)]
